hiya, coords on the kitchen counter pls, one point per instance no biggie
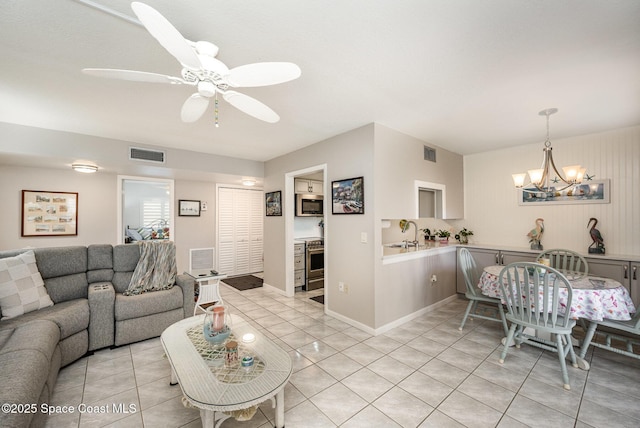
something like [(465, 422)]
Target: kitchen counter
[(397, 255)]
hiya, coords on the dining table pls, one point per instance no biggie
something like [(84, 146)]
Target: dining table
[(594, 298)]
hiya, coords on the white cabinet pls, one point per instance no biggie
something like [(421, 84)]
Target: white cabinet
[(299, 273), (240, 231), (312, 187)]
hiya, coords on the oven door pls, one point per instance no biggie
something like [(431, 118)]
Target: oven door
[(315, 268)]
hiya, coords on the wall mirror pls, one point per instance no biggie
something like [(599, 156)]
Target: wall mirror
[(145, 209)]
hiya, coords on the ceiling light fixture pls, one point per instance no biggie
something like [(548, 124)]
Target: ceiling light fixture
[(249, 182), (541, 178), (84, 167)]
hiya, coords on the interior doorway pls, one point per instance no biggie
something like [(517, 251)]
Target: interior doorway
[(145, 209), (307, 229)]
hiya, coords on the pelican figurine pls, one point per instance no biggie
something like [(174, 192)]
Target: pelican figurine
[(535, 235), (596, 237)]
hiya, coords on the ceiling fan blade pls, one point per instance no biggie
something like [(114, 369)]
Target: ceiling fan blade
[(194, 108), (135, 76), (251, 106), (263, 74), (167, 35)]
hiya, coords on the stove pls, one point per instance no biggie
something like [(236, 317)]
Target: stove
[(314, 263)]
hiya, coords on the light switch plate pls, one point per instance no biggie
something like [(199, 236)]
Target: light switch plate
[(203, 206), (363, 237)]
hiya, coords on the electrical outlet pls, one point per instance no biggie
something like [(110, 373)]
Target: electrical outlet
[(341, 287), (434, 278)]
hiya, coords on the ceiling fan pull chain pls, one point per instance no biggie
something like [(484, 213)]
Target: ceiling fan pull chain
[(216, 109)]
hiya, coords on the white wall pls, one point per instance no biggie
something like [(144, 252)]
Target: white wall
[(348, 260), (96, 205), (97, 212), (492, 211)]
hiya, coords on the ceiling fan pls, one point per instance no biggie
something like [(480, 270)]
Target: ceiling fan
[(201, 69)]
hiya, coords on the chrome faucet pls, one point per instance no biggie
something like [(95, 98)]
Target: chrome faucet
[(415, 226)]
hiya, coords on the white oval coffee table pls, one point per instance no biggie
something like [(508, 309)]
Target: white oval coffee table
[(211, 387)]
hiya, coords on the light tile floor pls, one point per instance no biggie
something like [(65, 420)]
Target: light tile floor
[(424, 373)]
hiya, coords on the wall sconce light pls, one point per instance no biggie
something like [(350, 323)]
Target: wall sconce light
[(84, 167)]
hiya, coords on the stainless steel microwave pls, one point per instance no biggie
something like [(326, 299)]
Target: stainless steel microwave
[(309, 205)]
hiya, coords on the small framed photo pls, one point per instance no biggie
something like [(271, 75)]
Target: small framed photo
[(273, 201), (188, 208), (347, 196), (49, 213)]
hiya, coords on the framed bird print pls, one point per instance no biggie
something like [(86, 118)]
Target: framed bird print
[(588, 192)]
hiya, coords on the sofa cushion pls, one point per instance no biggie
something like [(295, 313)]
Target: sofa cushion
[(41, 336), (128, 307), (21, 286), (28, 355), (125, 260), (69, 317), (100, 257), (29, 372), (64, 270)]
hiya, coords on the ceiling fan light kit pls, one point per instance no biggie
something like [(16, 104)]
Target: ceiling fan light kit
[(201, 69), (541, 178)]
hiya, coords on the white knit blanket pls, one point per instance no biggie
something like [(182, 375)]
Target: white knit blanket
[(156, 269)]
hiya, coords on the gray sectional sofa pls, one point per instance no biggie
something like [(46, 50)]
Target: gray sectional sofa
[(89, 313)]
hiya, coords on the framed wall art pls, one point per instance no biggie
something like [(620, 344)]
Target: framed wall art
[(589, 192), (49, 213), (347, 196), (188, 208), (273, 201)]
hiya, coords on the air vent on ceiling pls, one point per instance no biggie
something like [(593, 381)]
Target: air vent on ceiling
[(147, 155), (429, 154)]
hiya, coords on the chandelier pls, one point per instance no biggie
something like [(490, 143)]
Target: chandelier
[(541, 178)]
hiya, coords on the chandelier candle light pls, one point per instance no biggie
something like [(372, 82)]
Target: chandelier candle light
[(541, 178)]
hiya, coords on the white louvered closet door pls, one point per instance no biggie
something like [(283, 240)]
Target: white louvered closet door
[(240, 219), (256, 246)]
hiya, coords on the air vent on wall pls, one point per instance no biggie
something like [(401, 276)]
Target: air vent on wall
[(429, 154), (147, 155)]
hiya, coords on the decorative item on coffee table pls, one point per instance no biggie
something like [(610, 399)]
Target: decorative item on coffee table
[(217, 326)]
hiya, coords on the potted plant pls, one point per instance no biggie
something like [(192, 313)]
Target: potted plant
[(428, 236), (443, 235), (463, 235)]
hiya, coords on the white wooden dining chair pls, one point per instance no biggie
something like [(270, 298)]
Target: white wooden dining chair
[(625, 333), (570, 263), (479, 305), (532, 300)]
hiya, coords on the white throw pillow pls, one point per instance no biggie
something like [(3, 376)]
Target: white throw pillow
[(21, 286)]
